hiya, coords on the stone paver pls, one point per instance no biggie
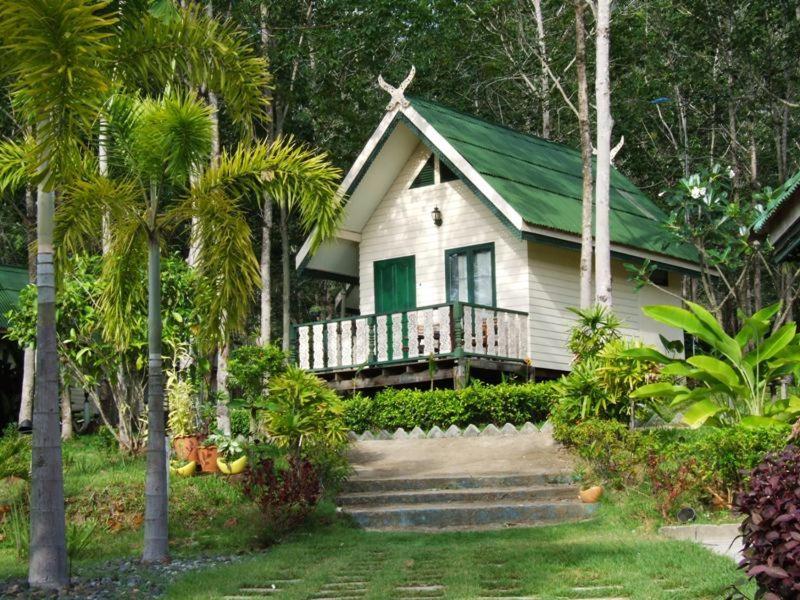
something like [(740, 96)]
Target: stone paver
[(721, 539)]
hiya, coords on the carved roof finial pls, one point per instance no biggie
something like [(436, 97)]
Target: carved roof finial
[(397, 93)]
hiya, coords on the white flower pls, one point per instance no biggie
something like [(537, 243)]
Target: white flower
[(696, 192), (731, 172), (742, 231)]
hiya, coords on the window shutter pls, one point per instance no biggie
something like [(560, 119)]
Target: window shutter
[(425, 176)]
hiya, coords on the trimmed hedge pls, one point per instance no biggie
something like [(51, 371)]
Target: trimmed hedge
[(479, 404), (240, 422)]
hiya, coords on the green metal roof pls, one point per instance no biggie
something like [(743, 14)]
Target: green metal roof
[(542, 181), (12, 280), (782, 193)]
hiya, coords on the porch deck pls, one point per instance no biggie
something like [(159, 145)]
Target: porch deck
[(424, 344)]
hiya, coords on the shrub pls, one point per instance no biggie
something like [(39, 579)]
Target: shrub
[(250, 368), (15, 454), (596, 327), (478, 404), (182, 417), (302, 409), (771, 529), (240, 422), (703, 466), (286, 488)]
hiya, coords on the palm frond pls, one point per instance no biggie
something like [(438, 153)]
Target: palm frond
[(172, 136), (192, 51), (79, 214), (56, 52), (18, 164), (123, 277), (306, 181)]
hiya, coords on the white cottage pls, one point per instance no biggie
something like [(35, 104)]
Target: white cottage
[(460, 246)]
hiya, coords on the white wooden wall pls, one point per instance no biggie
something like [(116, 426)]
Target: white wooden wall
[(554, 287), (537, 278), (402, 225)]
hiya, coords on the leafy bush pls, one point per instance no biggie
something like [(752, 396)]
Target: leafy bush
[(302, 410), (182, 416), (250, 368), (734, 385), (771, 529), (479, 404), (240, 422), (703, 466), (596, 327), (286, 488)]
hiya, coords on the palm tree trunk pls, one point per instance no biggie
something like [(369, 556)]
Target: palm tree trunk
[(286, 288), (47, 567), (223, 415), (586, 156), (155, 510), (604, 125), (266, 293), (29, 356)]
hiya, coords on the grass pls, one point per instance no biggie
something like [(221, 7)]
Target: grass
[(104, 491), (545, 562), (209, 515)]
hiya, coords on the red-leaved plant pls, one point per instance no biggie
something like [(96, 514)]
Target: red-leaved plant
[(771, 529), (286, 490)]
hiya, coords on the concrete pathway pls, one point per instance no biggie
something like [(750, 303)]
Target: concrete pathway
[(721, 539)]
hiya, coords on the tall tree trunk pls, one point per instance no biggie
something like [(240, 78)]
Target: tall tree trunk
[(29, 355), (586, 155), (223, 415), (102, 162), (287, 271), (604, 126), (47, 567), (155, 511), (266, 278), (544, 80), (66, 412)]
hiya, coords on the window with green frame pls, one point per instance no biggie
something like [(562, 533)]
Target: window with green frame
[(470, 276)]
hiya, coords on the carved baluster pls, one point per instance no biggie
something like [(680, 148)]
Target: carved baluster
[(397, 336), (347, 343), (318, 332), (502, 334), (304, 347), (445, 343), (469, 329), (413, 334), (427, 331), (334, 345), (491, 338), (382, 338), (362, 341)]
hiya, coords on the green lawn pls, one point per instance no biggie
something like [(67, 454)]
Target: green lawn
[(546, 562), (209, 515)]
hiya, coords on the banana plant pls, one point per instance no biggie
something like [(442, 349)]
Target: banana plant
[(734, 383)]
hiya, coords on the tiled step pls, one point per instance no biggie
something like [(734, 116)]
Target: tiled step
[(468, 515), (430, 496), (363, 485)]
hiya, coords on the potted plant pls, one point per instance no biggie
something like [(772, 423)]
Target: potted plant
[(182, 420), (207, 454), (231, 454)]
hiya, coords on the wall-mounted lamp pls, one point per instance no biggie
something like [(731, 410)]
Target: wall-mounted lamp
[(437, 216)]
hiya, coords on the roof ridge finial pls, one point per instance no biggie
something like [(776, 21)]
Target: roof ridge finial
[(397, 93)]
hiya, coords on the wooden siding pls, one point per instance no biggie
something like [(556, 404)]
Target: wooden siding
[(402, 225), (554, 287)]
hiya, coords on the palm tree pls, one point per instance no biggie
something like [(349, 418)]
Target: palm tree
[(156, 145), (54, 50)]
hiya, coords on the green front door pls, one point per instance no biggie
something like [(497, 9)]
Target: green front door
[(395, 287)]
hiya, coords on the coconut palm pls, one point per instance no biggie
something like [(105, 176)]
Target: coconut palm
[(156, 145), (54, 52)]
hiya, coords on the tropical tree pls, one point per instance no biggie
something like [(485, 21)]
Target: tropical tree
[(157, 144), (54, 51), (734, 383)]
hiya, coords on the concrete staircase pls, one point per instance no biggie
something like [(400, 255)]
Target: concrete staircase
[(461, 484)]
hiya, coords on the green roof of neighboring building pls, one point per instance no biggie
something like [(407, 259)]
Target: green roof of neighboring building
[(12, 280), (542, 181)]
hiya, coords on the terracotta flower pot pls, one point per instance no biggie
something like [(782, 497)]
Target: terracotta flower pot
[(591, 495), (186, 447), (207, 457)]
